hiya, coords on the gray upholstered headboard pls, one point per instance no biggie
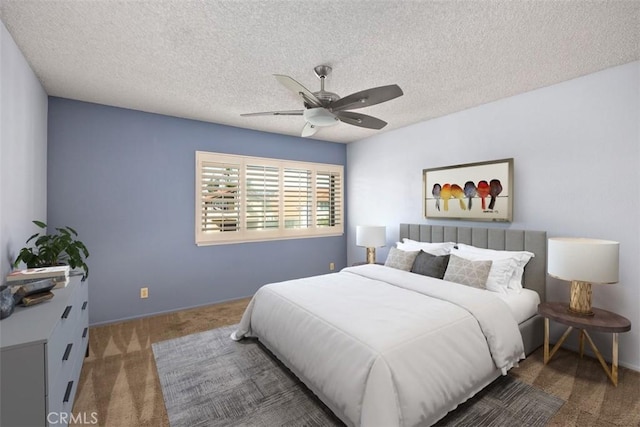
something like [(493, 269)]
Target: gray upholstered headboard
[(491, 238)]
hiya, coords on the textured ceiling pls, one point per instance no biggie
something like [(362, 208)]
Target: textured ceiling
[(213, 60)]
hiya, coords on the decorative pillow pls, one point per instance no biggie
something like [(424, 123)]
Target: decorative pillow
[(437, 249), (500, 273), (430, 265), (402, 260), (466, 272), (521, 258)]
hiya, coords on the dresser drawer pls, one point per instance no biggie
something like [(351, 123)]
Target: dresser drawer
[(82, 336), (83, 305), (81, 293), (83, 290), (60, 401)]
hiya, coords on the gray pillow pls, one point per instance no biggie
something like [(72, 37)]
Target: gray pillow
[(430, 265), (466, 272), (402, 260)]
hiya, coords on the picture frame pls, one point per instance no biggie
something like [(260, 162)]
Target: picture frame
[(481, 191)]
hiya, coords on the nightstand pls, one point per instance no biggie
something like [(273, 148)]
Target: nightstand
[(601, 321)]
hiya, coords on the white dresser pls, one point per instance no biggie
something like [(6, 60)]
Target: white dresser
[(42, 349)]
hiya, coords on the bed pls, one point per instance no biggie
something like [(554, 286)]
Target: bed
[(386, 347)]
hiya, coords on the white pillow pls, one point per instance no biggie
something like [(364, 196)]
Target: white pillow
[(502, 269), (437, 249), (521, 258)]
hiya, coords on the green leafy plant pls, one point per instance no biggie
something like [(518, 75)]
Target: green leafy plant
[(55, 249)]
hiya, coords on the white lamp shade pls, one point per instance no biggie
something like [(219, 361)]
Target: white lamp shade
[(371, 236), (585, 260)]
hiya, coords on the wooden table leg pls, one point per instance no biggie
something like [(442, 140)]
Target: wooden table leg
[(613, 372), (559, 343), (546, 340), (614, 361), (581, 343)]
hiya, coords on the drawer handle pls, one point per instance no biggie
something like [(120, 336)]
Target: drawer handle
[(84, 306), (84, 333), (66, 312), (67, 393), (67, 351)]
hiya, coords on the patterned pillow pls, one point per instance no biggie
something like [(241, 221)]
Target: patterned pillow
[(430, 265), (402, 260), (467, 272), (500, 273)]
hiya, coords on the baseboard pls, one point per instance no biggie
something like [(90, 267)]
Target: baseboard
[(158, 313), (589, 353)]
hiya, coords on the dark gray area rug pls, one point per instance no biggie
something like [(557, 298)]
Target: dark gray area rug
[(209, 380)]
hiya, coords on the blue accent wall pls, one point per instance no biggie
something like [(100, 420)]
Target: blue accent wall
[(125, 179)]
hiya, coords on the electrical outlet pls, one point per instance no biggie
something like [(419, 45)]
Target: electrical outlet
[(144, 292), (332, 266)]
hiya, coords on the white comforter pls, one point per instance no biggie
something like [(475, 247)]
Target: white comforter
[(384, 347)]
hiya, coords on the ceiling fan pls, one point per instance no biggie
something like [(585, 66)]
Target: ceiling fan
[(323, 108)]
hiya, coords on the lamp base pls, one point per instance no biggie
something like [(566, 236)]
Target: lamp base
[(580, 302), (371, 255)]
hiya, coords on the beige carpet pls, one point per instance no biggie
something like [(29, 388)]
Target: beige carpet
[(119, 380)]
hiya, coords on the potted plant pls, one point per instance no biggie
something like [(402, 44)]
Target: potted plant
[(55, 249)]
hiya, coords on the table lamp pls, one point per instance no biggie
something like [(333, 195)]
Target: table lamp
[(371, 237), (583, 262)]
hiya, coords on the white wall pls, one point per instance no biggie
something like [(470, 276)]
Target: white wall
[(23, 151), (576, 150)]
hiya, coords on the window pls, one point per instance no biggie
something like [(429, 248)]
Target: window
[(244, 199)]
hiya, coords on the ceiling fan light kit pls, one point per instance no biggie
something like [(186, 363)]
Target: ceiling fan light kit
[(320, 117), (323, 108)]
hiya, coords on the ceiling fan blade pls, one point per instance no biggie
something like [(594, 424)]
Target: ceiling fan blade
[(361, 120), (298, 89), (275, 113), (366, 98), (309, 130)]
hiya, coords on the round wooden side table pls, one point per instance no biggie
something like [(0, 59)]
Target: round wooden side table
[(601, 321)]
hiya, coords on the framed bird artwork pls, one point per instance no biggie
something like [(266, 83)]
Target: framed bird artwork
[(480, 191)]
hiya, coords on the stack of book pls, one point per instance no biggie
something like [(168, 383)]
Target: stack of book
[(58, 274)]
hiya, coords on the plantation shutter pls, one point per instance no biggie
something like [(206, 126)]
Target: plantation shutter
[(263, 199), (328, 199), (297, 198), (220, 197)]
